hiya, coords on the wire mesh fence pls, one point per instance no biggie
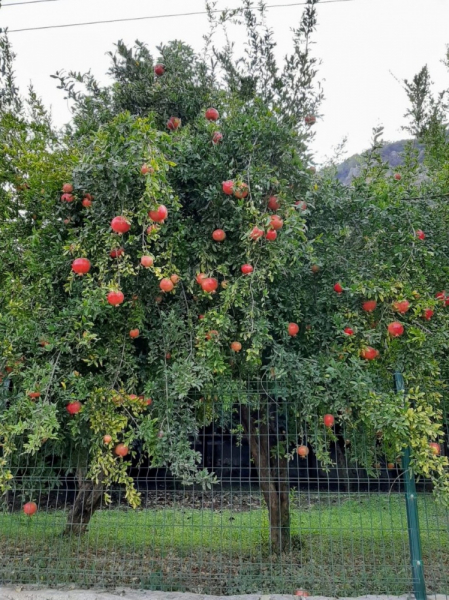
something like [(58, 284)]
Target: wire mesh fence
[(275, 521)]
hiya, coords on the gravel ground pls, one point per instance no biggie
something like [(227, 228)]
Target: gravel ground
[(29, 593)]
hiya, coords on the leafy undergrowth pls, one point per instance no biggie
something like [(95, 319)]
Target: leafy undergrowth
[(348, 546)]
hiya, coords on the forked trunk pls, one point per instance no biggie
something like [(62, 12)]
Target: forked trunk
[(272, 470), (86, 503)]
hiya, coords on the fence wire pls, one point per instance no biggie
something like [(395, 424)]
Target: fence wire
[(345, 532)]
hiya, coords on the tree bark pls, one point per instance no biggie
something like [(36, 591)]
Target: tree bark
[(272, 470), (87, 501)]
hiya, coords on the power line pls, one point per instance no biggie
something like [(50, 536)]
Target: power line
[(189, 14)]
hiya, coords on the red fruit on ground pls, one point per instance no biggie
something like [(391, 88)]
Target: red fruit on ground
[(159, 70), (174, 123), (212, 114), (428, 314), (219, 235), (369, 305), (217, 138), (348, 331), (241, 191), (121, 450), (166, 284), (134, 333), (273, 203), (271, 235), (236, 346), (80, 266), (293, 329), (328, 420), (402, 306), (73, 408), (369, 353), (146, 261), (115, 298), (247, 269), (228, 187), (209, 284), (256, 233), (67, 198), (303, 451), (30, 508), (159, 215), (120, 225), (338, 288), (395, 329), (420, 234), (116, 253)]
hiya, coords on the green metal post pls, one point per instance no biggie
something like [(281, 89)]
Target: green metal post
[(411, 500)]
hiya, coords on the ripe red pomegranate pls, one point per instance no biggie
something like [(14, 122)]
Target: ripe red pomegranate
[(107, 439), (166, 284), (395, 329), (34, 395), (115, 298), (276, 222), (121, 450), (81, 266), (228, 187), (328, 420), (369, 353), (348, 331), (174, 123), (271, 235), (116, 252), (310, 119), (301, 205), (200, 278), (369, 306), (241, 191), (247, 269), (209, 284), (303, 451), (428, 314), (210, 334), (219, 235), (73, 408), (174, 278), (212, 114), (159, 70), (67, 198), (338, 288), (67, 188), (145, 169), (420, 234), (273, 203), (88, 196), (134, 333), (217, 138), (200, 317), (293, 329), (256, 233), (30, 508), (168, 356), (435, 448), (398, 176), (236, 346), (146, 261), (86, 203), (441, 296), (120, 225), (402, 306), (159, 215), (148, 401)]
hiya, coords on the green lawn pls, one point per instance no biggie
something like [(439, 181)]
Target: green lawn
[(347, 545)]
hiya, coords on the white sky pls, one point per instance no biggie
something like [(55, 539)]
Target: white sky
[(360, 43)]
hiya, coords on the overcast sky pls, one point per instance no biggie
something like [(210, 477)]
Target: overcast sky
[(363, 45)]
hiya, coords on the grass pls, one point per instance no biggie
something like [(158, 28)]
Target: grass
[(349, 545)]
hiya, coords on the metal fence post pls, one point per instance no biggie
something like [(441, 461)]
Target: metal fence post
[(411, 500)]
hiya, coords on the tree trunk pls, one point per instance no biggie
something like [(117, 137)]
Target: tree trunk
[(272, 470), (86, 503)]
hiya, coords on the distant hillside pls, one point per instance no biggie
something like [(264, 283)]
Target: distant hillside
[(391, 154)]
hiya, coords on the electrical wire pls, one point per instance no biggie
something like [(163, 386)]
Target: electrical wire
[(189, 14)]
